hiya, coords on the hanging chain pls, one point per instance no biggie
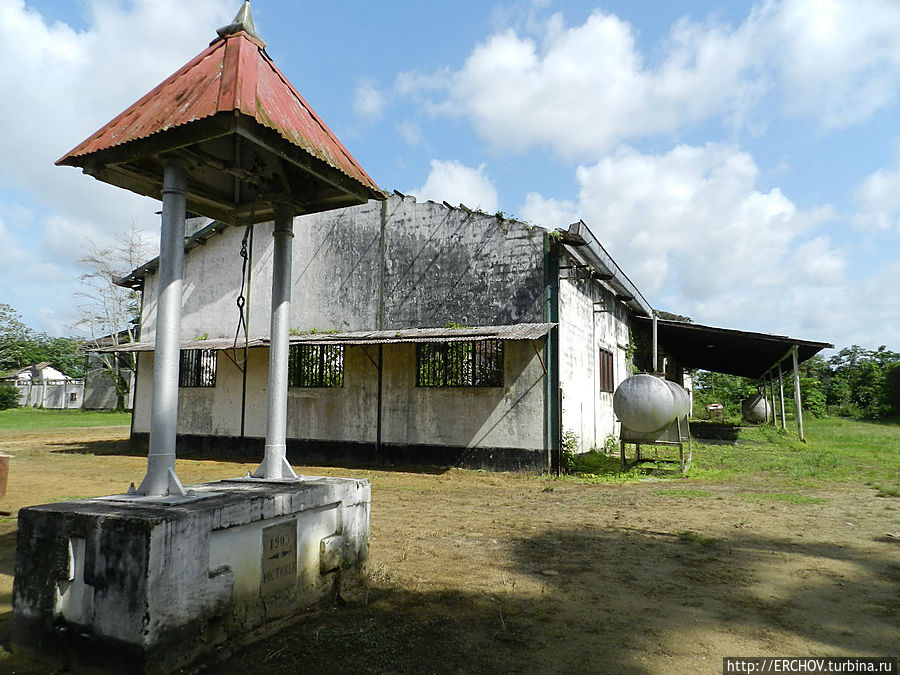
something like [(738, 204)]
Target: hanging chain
[(241, 299)]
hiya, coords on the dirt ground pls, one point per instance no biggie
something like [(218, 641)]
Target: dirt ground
[(483, 572)]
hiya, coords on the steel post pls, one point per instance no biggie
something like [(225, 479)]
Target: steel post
[(275, 464), (161, 478), (772, 392), (655, 344), (797, 401), (781, 396)]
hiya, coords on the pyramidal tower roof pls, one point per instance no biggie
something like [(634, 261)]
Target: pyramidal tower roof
[(247, 133)]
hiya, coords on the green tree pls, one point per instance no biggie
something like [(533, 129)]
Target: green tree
[(22, 346), (9, 396), (860, 385), (729, 390), (892, 387), (815, 376)]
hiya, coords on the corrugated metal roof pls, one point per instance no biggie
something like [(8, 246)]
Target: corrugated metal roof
[(726, 350), (522, 331), (234, 74)]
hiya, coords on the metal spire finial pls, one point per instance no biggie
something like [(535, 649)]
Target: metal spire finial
[(243, 21)]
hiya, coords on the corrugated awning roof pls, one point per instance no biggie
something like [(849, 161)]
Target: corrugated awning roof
[(248, 137), (523, 331), (233, 74), (725, 350)]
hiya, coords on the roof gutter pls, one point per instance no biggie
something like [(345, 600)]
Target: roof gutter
[(591, 250)]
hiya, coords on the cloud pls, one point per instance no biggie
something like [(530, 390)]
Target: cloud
[(548, 212), (369, 102), (841, 57), (878, 201), (68, 83), (697, 235), (582, 90), (64, 84), (455, 183), (410, 132)]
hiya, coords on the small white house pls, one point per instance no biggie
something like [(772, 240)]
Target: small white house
[(43, 386)]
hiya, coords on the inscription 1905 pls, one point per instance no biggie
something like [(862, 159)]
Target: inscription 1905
[(279, 557)]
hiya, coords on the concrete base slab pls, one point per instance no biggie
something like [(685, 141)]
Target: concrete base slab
[(144, 586)]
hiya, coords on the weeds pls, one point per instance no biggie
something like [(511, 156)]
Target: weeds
[(568, 461), (684, 493), (696, 538), (786, 497)]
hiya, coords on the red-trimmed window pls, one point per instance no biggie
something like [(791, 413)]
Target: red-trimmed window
[(607, 371)]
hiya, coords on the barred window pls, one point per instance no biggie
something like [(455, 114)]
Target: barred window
[(460, 364), (316, 366), (197, 368), (607, 382)]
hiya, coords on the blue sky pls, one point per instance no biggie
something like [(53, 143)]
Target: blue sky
[(740, 160)]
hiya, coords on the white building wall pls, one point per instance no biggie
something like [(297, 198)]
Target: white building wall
[(439, 265), (590, 318), (52, 394), (503, 417)]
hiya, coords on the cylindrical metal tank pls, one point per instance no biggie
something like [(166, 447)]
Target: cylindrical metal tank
[(756, 408), (646, 403)]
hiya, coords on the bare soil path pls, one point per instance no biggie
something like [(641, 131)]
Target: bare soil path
[(482, 572)]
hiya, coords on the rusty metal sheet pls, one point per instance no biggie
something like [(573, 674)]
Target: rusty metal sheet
[(233, 74), (522, 331)]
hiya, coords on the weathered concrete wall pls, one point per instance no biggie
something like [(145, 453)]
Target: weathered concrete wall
[(53, 394), (148, 587), (500, 417), (493, 417), (100, 390), (590, 319), (431, 264)]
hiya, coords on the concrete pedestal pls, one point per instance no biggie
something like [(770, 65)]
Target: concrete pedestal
[(151, 584)]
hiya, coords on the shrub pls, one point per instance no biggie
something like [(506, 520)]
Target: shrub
[(567, 456), (9, 396)]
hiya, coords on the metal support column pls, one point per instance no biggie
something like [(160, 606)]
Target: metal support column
[(781, 396), (161, 479), (797, 395), (275, 464), (655, 344), (772, 392), (552, 403)]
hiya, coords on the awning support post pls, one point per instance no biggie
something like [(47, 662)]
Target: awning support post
[(161, 479), (275, 465), (797, 401), (772, 391), (781, 395), (655, 343)]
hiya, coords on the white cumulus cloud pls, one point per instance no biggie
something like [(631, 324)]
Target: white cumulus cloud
[(369, 101), (878, 201), (455, 183), (696, 234), (582, 90)]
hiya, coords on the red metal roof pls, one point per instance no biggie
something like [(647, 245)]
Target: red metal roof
[(233, 74)]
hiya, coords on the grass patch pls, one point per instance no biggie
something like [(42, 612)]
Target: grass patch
[(886, 490), (696, 538), (683, 493), (30, 419), (786, 497), (838, 450), (598, 467)]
